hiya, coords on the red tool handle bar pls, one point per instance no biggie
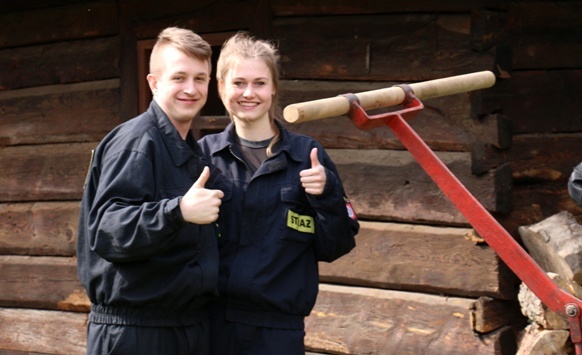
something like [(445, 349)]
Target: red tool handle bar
[(514, 256)]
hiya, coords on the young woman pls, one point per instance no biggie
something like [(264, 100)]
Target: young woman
[(286, 210)]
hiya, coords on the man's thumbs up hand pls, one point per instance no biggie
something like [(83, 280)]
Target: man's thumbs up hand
[(313, 180), (200, 205)]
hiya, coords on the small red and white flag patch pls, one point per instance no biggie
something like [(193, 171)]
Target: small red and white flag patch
[(350, 209)]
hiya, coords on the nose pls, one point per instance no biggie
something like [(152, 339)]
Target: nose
[(248, 91), (190, 88)]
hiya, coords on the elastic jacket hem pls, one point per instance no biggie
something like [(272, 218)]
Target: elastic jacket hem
[(145, 317)]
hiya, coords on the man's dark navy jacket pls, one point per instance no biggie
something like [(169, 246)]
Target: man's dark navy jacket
[(139, 261)]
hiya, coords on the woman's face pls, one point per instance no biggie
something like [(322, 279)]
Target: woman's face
[(247, 90)]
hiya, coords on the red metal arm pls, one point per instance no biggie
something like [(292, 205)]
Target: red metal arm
[(514, 256)]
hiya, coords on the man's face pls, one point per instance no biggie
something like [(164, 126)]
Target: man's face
[(180, 86)]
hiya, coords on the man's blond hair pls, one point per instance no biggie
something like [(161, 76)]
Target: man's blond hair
[(185, 41)]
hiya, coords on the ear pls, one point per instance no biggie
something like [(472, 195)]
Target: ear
[(153, 83)]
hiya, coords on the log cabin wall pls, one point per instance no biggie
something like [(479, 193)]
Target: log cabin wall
[(420, 279)]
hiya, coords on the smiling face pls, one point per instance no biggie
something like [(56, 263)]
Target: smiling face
[(247, 91), (179, 85)]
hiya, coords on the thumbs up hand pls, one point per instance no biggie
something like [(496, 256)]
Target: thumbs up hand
[(313, 180), (200, 205)]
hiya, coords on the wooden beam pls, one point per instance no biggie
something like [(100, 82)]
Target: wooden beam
[(74, 21), (352, 320), (48, 172), (445, 123), (59, 63), (422, 258), (390, 185), (41, 228), (537, 101), (414, 47), (41, 282), (40, 331), (59, 113)]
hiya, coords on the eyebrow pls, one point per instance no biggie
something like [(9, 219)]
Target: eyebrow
[(243, 78)]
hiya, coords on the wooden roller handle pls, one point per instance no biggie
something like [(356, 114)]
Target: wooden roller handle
[(339, 105)]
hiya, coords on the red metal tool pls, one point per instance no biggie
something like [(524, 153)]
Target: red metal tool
[(514, 256)]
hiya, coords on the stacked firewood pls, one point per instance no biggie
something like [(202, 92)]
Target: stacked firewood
[(556, 245)]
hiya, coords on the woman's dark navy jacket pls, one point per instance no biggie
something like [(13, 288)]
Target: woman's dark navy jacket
[(139, 261), (272, 233)]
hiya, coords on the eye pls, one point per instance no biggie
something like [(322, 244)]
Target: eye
[(177, 78), (259, 83), (201, 79), (239, 84)]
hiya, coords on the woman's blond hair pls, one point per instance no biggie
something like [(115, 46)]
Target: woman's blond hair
[(244, 45)]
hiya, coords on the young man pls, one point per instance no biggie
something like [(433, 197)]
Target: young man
[(146, 249)]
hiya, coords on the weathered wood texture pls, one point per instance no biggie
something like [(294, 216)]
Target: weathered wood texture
[(445, 123), (59, 23), (536, 101), (44, 172), (555, 245), (535, 158), (536, 340), (538, 313), (422, 258), (324, 7), (41, 331), (351, 320), (41, 282), (397, 47), (534, 202), (390, 185), (59, 63), (385, 185), (39, 228), (545, 34), (60, 113)]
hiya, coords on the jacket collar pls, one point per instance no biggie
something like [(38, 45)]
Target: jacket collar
[(226, 139), (178, 148)]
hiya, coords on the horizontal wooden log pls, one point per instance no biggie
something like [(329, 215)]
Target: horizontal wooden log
[(59, 63), (33, 4), (535, 158), (206, 16), (536, 202), (390, 185), (41, 282), (392, 47), (76, 21), (325, 7), (535, 101), (41, 331), (54, 172), (351, 320), (422, 258), (545, 34), (42, 228), (59, 113), (445, 123)]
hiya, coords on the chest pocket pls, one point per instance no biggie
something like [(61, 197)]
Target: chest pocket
[(298, 219)]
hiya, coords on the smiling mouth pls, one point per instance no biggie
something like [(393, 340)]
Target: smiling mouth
[(248, 104)]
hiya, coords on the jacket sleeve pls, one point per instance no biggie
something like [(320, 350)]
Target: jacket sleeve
[(575, 184), (336, 224), (126, 220)]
